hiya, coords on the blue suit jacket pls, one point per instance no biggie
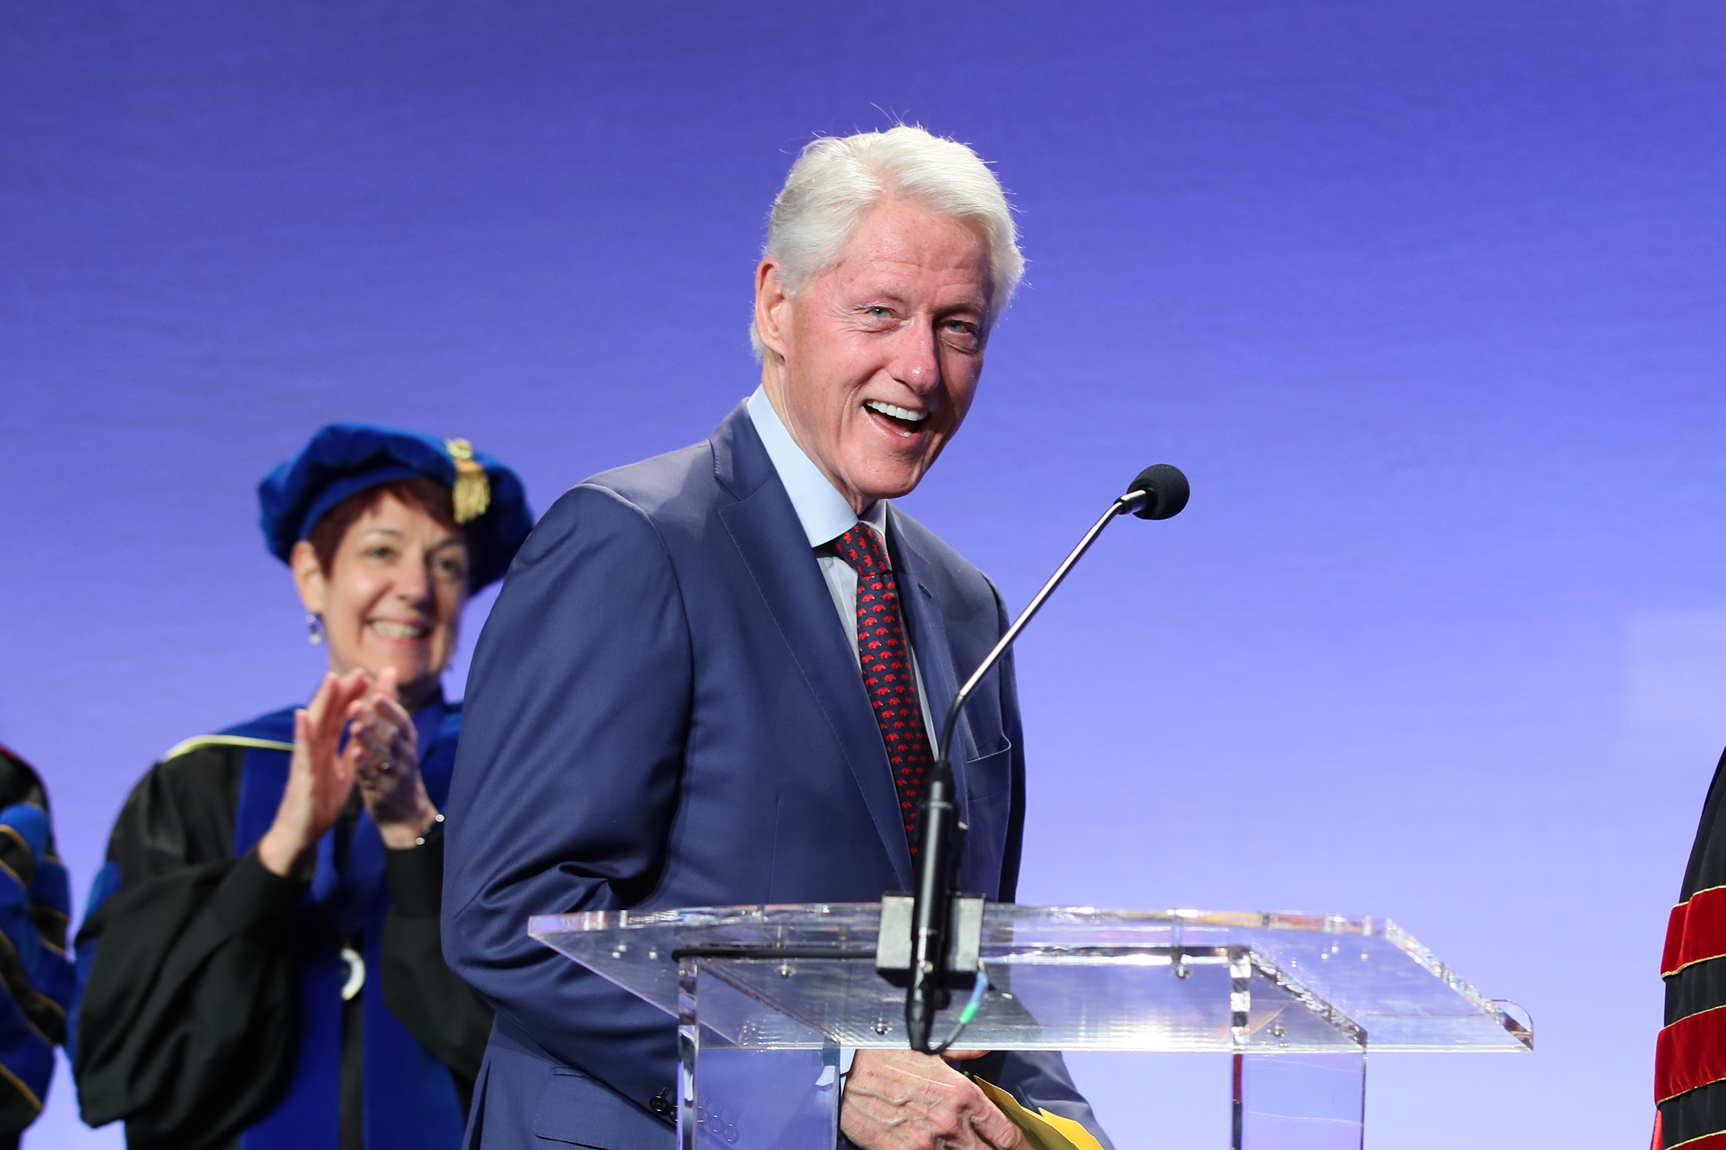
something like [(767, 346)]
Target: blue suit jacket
[(664, 711)]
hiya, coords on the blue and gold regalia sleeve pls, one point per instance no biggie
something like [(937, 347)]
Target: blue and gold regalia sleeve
[(36, 976)]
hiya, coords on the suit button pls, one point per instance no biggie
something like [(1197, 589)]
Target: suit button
[(660, 1105)]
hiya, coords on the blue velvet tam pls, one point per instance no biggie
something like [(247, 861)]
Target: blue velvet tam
[(343, 458)]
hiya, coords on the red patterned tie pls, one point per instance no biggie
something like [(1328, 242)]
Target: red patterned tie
[(887, 673)]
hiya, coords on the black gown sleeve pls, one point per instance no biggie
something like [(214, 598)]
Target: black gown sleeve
[(437, 1008), (187, 1021)]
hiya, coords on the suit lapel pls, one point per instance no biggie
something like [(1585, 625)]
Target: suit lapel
[(934, 653), (764, 527)]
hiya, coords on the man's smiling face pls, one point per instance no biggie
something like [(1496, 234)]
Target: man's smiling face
[(879, 355)]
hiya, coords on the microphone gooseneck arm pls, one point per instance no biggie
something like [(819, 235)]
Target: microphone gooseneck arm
[(1156, 493), (1119, 507)]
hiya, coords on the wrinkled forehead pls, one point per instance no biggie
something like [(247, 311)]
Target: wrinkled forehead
[(912, 249)]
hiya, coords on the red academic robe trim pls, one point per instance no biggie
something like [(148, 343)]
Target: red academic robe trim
[(1690, 1053), (1696, 931)]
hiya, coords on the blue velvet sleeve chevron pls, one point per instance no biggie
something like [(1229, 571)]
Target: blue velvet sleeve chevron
[(38, 976)]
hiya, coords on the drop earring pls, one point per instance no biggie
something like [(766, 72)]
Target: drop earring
[(314, 630)]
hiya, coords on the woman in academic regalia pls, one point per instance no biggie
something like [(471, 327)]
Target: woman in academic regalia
[(259, 965), (35, 974)]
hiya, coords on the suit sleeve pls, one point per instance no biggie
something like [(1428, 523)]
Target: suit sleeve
[(566, 780), (185, 1013), (1038, 1076)]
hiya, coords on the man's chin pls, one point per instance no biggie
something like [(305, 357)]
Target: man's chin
[(896, 489), (888, 478)]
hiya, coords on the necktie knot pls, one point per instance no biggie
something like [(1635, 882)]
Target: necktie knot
[(861, 548)]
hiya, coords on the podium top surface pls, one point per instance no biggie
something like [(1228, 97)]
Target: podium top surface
[(1060, 978)]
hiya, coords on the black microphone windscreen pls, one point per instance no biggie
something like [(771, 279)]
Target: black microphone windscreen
[(1168, 491)]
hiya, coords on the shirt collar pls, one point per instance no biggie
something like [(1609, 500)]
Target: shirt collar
[(823, 513)]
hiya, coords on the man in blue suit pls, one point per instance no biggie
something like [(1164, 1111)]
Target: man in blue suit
[(711, 676)]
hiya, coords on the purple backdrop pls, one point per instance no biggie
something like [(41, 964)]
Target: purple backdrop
[(1426, 298)]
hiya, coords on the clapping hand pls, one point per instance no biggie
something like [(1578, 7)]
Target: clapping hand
[(319, 777), (382, 756), (384, 749)]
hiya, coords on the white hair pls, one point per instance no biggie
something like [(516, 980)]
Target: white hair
[(837, 179)]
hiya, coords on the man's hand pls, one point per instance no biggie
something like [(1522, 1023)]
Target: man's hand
[(902, 1100)]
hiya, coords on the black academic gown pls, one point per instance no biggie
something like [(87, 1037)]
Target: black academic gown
[(211, 1011), (1690, 1057)]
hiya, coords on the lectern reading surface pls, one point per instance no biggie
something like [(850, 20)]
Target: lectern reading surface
[(766, 996)]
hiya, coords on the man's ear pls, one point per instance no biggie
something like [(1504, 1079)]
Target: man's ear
[(308, 576), (772, 307)]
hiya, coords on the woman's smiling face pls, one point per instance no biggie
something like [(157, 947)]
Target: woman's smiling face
[(393, 594)]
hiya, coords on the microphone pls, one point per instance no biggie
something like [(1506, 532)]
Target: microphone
[(1157, 492), (1160, 492)]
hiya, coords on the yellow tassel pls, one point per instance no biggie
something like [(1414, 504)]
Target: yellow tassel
[(472, 488)]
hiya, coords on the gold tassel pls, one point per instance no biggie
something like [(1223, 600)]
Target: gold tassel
[(472, 488)]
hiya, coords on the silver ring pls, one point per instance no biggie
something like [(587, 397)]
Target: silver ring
[(385, 764)]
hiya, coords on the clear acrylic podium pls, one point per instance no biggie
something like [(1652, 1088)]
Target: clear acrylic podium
[(765, 997)]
